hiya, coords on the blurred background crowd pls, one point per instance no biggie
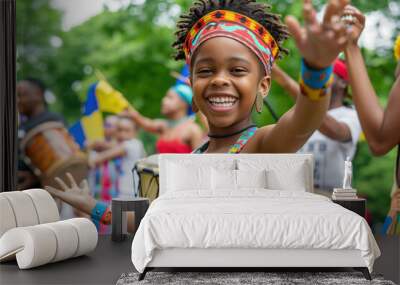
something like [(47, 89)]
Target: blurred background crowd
[(68, 54)]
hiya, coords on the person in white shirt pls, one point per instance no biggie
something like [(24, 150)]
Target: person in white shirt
[(337, 137)]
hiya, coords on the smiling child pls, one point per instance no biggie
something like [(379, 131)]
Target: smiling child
[(231, 47)]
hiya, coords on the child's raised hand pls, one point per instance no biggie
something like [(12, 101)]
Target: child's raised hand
[(320, 43), (77, 196), (355, 20)]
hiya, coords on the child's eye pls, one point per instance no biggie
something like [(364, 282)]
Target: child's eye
[(239, 71), (204, 71)]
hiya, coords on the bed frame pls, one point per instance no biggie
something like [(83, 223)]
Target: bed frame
[(246, 259), (259, 259)]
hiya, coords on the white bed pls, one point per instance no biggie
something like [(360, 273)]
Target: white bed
[(201, 219)]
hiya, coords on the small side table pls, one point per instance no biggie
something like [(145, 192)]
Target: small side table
[(356, 205), (119, 208)]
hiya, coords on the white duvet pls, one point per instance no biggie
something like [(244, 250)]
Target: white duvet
[(253, 218)]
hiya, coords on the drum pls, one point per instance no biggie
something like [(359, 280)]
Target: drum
[(147, 170), (52, 152)]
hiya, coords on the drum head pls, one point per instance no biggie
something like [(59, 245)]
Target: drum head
[(147, 170), (148, 164)]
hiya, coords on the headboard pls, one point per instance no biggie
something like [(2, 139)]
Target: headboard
[(284, 163)]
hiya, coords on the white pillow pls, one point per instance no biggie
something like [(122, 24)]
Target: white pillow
[(294, 180), (182, 177), (251, 178), (223, 179)]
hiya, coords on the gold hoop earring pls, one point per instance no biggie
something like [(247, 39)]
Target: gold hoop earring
[(259, 102)]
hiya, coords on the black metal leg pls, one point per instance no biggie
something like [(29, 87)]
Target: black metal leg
[(143, 274), (364, 271), (116, 208)]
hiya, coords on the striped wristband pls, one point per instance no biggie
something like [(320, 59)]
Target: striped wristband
[(315, 84)]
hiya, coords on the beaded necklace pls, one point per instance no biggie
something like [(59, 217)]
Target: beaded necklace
[(237, 147)]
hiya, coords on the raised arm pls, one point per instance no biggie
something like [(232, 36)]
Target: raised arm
[(99, 145), (335, 129), (116, 151), (319, 44), (155, 126), (381, 127), (330, 127), (78, 196)]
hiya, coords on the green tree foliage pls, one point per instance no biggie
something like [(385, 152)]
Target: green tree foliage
[(128, 47), (132, 48), (38, 29)]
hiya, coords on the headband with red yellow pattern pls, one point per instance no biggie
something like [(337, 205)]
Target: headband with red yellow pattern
[(224, 23)]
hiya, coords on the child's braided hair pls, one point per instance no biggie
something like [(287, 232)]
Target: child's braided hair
[(249, 8)]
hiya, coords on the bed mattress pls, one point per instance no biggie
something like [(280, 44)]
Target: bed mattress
[(250, 219)]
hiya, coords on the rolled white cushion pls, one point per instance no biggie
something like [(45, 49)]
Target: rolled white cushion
[(40, 244), (33, 246), (7, 218), (23, 208), (66, 238), (87, 235), (45, 205)]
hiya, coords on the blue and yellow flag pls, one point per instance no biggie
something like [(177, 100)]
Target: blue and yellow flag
[(101, 97)]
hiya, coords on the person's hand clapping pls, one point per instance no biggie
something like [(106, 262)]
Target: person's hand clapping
[(320, 43)]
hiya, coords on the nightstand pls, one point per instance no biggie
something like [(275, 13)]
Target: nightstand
[(356, 205), (119, 208)]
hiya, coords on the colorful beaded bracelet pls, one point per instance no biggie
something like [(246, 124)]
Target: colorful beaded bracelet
[(98, 211), (315, 79), (315, 84)]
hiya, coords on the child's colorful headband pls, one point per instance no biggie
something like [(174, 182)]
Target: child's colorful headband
[(236, 26)]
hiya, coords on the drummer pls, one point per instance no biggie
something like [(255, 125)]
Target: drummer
[(33, 111), (178, 133)]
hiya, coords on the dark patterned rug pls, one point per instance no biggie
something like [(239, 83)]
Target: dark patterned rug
[(242, 278)]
